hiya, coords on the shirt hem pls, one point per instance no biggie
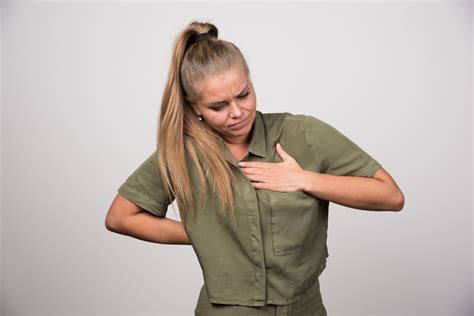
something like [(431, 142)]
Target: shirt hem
[(236, 302), (259, 303)]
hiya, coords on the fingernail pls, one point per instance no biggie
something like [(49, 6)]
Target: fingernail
[(241, 163)]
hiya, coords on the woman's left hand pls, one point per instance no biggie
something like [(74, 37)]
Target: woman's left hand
[(285, 176)]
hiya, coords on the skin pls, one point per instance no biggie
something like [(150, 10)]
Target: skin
[(379, 193), (234, 107)]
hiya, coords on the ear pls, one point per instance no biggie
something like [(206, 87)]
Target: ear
[(195, 108)]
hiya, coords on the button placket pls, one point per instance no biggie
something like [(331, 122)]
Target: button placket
[(255, 238)]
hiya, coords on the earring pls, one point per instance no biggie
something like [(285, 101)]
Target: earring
[(200, 118)]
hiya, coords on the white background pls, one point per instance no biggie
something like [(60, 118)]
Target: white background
[(81, 88)]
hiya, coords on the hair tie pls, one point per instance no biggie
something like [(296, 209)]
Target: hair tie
[(200, 37)]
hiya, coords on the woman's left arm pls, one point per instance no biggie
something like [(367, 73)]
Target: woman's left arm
[(379, 193)]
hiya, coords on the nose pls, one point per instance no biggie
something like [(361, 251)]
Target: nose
[(235, 110)]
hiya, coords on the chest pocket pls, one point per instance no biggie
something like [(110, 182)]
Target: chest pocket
[(294, 215)]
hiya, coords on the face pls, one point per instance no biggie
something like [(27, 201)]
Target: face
[(228, 105)]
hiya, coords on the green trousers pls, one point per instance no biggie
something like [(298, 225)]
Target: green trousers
[(311, 304)]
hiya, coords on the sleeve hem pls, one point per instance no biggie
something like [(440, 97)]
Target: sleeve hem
[(370, 169), (130, 195)]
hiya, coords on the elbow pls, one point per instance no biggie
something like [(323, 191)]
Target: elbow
[(108, 225), (399, 202), (111, 224)]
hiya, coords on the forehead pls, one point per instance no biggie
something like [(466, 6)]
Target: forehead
[(225, 85)]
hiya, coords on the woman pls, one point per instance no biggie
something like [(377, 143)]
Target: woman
[(252, 188)]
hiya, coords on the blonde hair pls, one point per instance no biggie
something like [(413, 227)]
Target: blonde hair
[(179, 129)]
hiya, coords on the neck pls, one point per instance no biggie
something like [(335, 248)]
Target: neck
[(242, 141)]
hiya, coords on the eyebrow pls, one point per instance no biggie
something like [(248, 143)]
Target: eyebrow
[(218, 102)]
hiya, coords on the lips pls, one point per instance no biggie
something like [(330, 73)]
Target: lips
[(239, 124)]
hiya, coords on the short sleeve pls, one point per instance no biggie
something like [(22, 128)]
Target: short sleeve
[(144, 187), (336, 153)]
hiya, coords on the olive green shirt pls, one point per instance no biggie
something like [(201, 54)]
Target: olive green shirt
[(276, 248)]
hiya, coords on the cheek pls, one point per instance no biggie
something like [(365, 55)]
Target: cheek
[(251, 102), (219, 121)]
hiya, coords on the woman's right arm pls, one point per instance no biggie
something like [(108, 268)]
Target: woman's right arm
[(126, 218)]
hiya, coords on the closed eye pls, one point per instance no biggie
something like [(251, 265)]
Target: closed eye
[(244, 95), (217, 108), (241, 97)]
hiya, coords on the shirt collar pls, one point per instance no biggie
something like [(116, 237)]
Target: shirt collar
[(257, 144)]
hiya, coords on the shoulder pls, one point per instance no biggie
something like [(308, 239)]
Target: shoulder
[(271, 119), (282, 118), (301, 121)]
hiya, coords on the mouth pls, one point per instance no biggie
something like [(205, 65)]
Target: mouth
[(239, 124)]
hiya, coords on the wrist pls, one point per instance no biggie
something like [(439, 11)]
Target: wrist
[(307, 178)]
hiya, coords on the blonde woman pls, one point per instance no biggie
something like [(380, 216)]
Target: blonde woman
[(252, 188)]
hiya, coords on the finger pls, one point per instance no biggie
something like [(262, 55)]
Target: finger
[(261, 185), (251, 170), (254, 164), (255, 177), (284, 156), (245, 164)]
